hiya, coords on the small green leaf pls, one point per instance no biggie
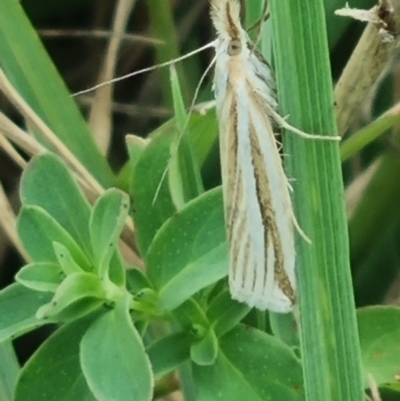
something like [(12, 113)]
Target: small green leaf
[(179, 104), (47, 182), (379, 329), (183, 171), (106, 223), (252, 366), (204, 352), (76, 287), (136, 280), (152, 203), (53, 373), (41, 276), (285, 327), (18, 306), (224, 313), (65, 259), (190, 314), (189, 252), (121, 371), (135, 146), (38, 231), (169, 353), (203, 129), (116, 271)]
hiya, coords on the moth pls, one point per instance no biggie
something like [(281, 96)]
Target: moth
[(259, 214)]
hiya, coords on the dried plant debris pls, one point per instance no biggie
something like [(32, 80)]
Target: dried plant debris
[(381, 15)]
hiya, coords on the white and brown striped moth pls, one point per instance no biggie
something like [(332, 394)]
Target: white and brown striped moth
[(258, 209)]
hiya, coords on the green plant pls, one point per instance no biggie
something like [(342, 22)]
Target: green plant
[(124, 329)]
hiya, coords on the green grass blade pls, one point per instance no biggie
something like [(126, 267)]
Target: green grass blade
[(28, 67), (329, 336), (368, 134), (163, 27)]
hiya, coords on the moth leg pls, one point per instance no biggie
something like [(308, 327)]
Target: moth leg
[(300, 230), (284, 124)]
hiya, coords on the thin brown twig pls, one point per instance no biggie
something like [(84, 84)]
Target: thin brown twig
[(100, 118)]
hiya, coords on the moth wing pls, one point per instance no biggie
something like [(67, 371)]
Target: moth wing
[(249, 158)]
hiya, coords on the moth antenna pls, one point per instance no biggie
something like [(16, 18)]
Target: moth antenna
[(159, 186), (259, 23), (152, 68), (191, 108)]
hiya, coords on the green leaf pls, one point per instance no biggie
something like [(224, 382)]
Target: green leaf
[(163, 26), (183, 172), (48, 183), (189, 252), (135, 146), (76, 287), (34, 76), (136, 280), (329, 338), (379, 329), (152, 202), (286, 328), (106, 223), (168, 353), (53, 373), (225, 313), (39, 231), (121, 371), (203, 131), (41, 276), (251, 366), (9, 371), (360, 139), (65, 259), (204, 351), (191, 316), (179, 104), (382, 195), (117, 270), (18, 306)]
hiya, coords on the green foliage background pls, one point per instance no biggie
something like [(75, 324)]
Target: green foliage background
[(200, 335)]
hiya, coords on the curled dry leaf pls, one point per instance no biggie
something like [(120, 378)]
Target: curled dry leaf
[(380, 15)]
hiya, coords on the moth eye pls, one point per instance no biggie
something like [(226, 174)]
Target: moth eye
[(235, 47)]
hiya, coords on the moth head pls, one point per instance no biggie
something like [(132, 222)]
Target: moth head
[(234, 47), (225, 15)]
